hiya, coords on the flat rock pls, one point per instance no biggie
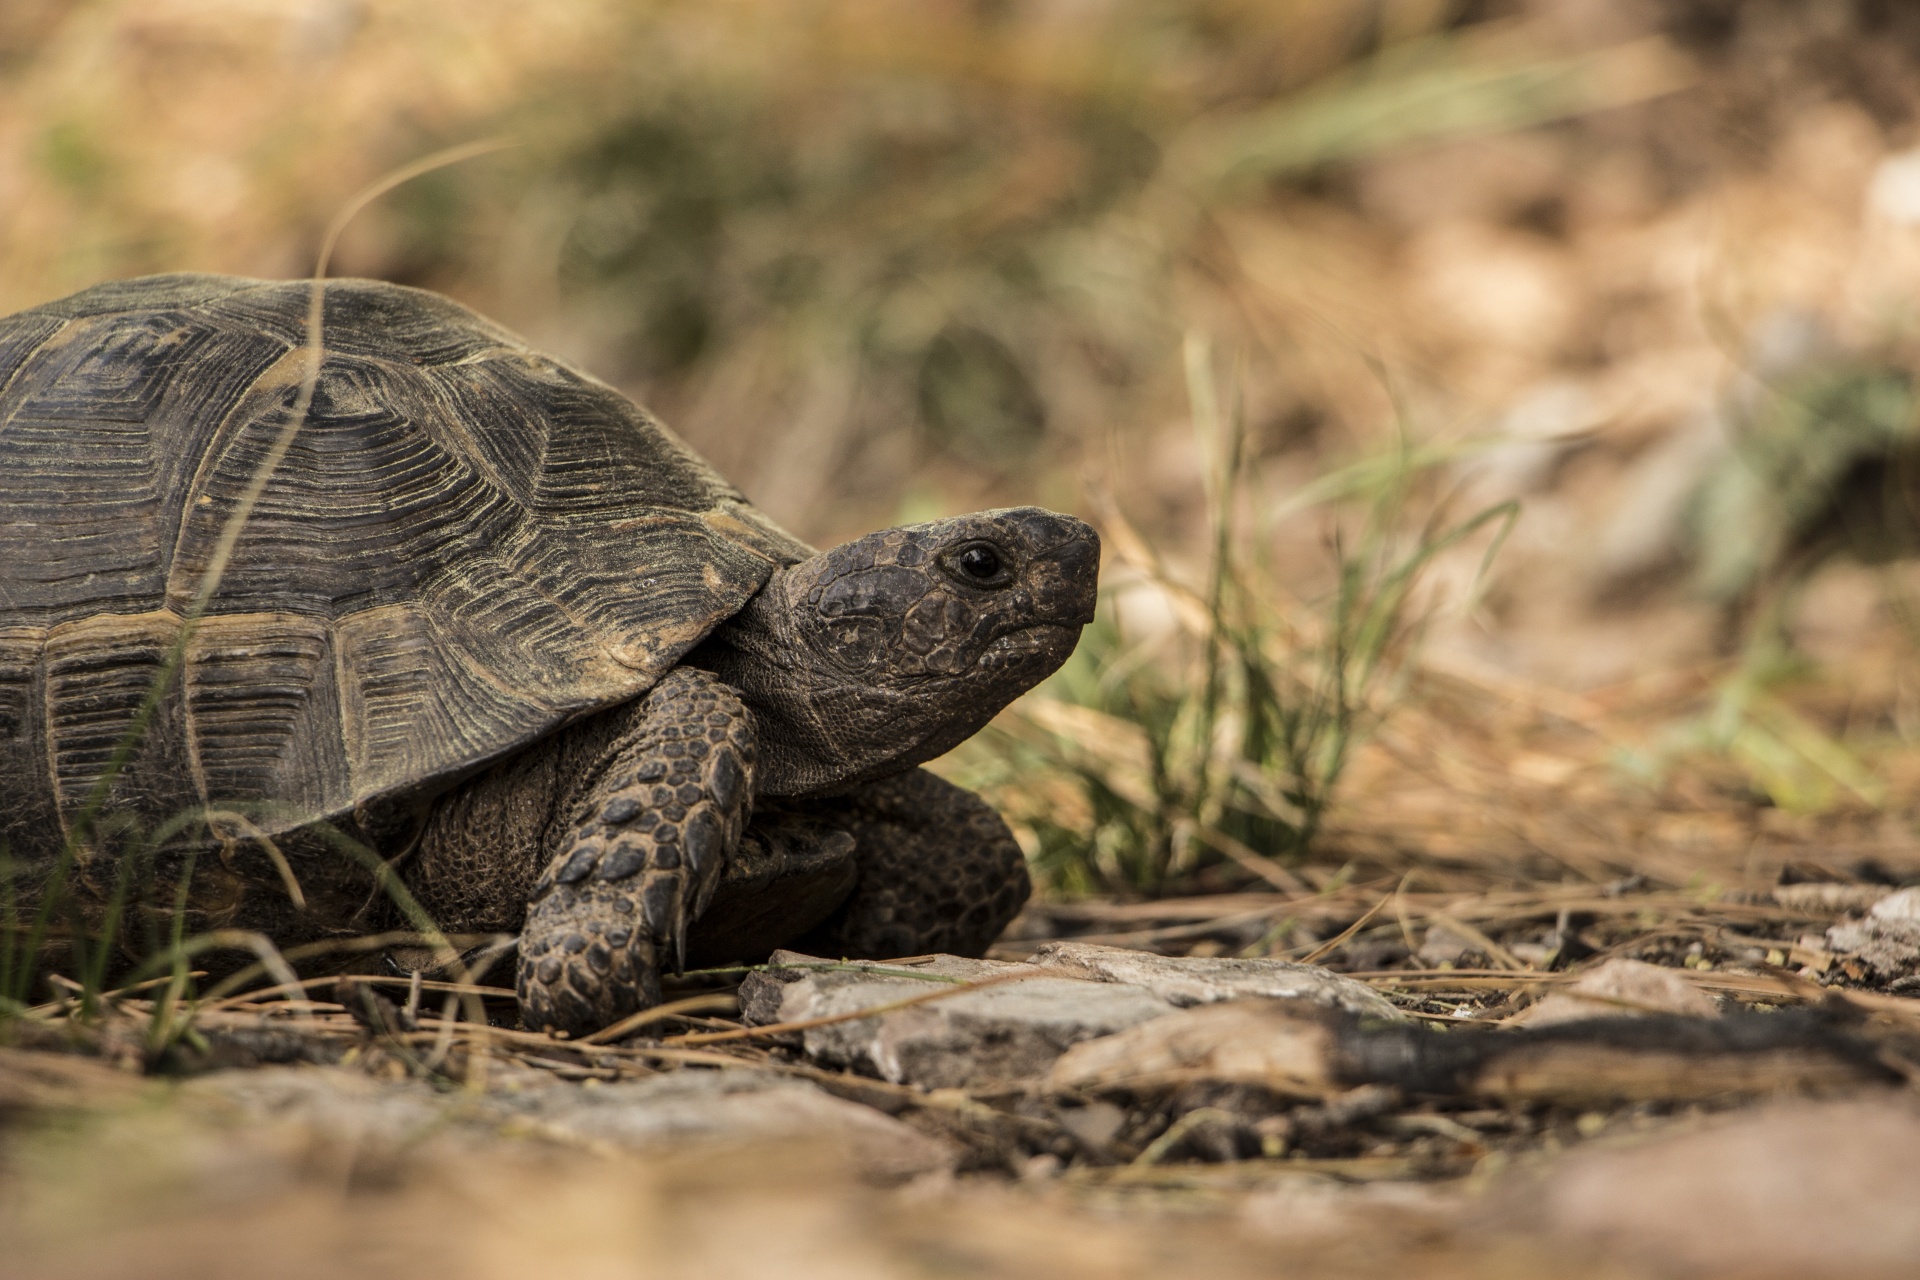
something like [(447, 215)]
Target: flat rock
[(763, 994), (734, 1108), (677, 1110), (1619, 988), (1282, 1045), (1067, 994), (336, 1103), (1185, 981), (998, 1034)]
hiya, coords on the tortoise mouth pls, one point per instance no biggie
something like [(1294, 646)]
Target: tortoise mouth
[(1031, 653)]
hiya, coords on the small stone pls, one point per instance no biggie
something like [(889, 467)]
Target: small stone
[(1285, 1046), (1903, 905), (1447, 948), (1885, 942), (1097, 1124), (1040, 1168)]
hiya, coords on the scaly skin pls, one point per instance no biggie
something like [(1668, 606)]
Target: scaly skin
[(937, 871), (903, 866), (648, 843)]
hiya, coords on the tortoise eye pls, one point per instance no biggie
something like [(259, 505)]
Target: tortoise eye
[(980, 564)]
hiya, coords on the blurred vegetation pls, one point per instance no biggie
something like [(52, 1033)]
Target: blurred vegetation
[(1824, 462), (1224, 738), (1822, 465), (929, 234)]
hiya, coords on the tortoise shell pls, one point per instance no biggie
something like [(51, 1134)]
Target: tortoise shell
[(468, 545)]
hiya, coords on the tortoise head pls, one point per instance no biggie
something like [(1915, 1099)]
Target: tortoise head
[(893, 648)]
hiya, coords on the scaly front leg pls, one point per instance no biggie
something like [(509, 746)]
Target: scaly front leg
[(645, 850)]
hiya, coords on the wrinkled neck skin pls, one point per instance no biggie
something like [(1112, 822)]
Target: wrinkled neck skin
[(879, 655), (757, 652)]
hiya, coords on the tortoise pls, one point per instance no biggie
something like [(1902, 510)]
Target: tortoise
[(491, 621)]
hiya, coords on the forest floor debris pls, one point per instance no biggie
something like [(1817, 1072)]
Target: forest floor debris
[(1607, 1068)]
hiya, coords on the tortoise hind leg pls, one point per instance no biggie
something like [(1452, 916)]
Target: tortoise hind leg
[(937, 871), (642, 854), (789, 873)]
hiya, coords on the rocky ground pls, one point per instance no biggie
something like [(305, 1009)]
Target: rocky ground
[(1480, 1104)]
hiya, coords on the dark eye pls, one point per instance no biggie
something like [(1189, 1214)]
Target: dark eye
[(980, 564)]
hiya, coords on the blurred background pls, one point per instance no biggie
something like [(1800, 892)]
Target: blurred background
[(1292, 297)]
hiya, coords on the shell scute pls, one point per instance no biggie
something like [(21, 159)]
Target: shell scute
[(97, 673), (262, 708), (98, 426), (365, 506)]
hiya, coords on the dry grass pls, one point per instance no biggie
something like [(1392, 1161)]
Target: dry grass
[(1224, 737)]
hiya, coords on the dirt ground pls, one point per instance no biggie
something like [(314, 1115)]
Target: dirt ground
[(1660, 303)]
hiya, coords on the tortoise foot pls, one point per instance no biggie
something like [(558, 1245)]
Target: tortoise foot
[(645, 851)]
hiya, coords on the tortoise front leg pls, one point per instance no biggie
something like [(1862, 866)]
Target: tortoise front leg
[(644, 851)]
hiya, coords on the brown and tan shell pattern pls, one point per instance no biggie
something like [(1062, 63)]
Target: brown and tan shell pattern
[(468, 545)]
